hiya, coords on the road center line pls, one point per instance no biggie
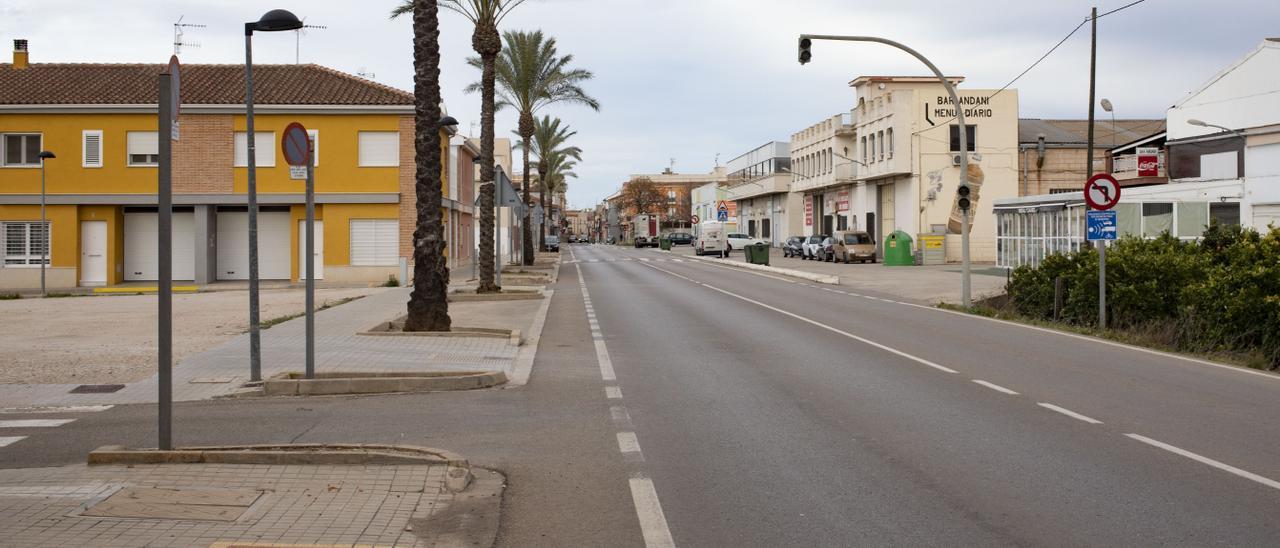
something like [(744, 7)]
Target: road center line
[(653, 524), (818, 324), (627, 443), (1206, 460), (1069, 413), (995, 387), (613, 392)]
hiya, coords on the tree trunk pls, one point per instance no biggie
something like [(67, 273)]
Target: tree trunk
[(526, 127), (542, 232), (486, 41), (428, 303)]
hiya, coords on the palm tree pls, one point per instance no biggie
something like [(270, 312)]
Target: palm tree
[(484, 15), (548, 141), (559, 167), (428, 303), (531, 75)]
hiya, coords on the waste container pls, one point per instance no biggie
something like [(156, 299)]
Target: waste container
[(932, 249), (897, 249), (664, 244), (757, 253)]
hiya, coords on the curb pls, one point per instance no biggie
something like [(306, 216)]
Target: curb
[(303, 453), (380, 383), (813, 277), (523, 365), (504, 296), (386, 329)]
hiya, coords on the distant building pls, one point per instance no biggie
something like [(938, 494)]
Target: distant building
[(1052, 153), (759, 185), (823, 179)]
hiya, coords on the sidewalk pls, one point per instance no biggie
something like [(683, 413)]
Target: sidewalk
[(922, 284), (222, 369)]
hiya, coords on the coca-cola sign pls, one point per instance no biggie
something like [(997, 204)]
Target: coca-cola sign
[(1148, 165)]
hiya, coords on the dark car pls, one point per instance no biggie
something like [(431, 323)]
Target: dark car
[(553, 243), (680, 238), (827, 250), (793, 247)]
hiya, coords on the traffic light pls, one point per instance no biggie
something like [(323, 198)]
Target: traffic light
[(805, 55), (963, 201)]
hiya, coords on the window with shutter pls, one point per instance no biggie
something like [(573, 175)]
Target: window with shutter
[(143, 148), (379, 149), (91, 149), (264, 145), (25, 243), (375, 242)]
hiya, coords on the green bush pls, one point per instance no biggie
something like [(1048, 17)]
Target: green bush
[(1218, 294), (9, 296), (391, 282)]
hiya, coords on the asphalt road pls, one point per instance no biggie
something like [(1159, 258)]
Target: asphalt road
[(714, 407)]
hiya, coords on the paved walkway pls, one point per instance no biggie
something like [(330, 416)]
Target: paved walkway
[(205, 504), (222, 369)]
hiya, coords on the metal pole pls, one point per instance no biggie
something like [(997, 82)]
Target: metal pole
[(964, 143), (255, 338), (311, 261), (497, 235), (1102, 244), (44, 231), (165, 290)]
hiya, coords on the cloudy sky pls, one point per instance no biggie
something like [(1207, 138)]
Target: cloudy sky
[(687, 80)]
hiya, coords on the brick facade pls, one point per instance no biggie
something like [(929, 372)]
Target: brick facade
[(1063, 168), (203, 157), (408, 196)]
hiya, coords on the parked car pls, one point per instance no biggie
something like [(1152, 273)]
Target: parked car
[(737, 240), (827, 251), (553, 243), (680, 238), (854, 246), (812, 246), (711, 240), (793, 247)]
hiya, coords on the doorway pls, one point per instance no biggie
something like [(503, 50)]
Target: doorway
[(93, 253)]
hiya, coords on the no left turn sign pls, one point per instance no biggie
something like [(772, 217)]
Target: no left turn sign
[(1102, 192)]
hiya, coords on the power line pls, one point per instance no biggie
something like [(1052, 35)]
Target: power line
[(1129, 5)]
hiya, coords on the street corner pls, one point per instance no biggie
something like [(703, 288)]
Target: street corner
[(335, 494)]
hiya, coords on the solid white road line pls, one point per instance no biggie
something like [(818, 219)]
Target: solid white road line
[(996, 387), (62, 409), (1069, 413), (751, 272), (627, 443), (653, 524), (1206, 460), (862, 340), (7, 440), (613, 392), (34, 423)]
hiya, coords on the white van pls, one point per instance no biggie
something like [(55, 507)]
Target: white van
[(712, 239)]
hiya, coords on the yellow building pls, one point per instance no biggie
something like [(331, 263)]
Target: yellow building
[(100, 120)]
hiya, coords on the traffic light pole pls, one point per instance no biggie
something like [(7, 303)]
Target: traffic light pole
[(964, 139)]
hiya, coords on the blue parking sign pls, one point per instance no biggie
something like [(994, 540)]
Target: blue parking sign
[(1101, 225)]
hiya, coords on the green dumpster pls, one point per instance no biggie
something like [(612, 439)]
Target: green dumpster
[(664, 244), (757, 253), (897, 249)]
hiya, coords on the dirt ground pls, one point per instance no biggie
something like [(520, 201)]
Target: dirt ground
[(112, 339)]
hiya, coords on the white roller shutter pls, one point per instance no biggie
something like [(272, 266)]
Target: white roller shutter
[(375, 242), (233, 245), (379, 148), (1264, 215), (142, 246), (275, 245), (274, 255)]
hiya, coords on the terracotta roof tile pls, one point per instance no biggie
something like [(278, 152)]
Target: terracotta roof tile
[(135, 84)]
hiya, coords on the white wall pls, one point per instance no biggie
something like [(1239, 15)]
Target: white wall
[(1241, 96)]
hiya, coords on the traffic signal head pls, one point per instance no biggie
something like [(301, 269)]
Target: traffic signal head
[(805, 54), (963, 193)]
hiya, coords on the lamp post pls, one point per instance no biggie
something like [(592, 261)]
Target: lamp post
[(272, 21), (1198, 123), (963, 190), (44, 225)]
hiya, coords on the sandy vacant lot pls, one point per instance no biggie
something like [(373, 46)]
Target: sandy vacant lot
[(112, 339)]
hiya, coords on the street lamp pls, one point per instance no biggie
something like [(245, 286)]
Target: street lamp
[(1106, 105), (805, 55), (1202, 123), (44, 225), (272, 21)]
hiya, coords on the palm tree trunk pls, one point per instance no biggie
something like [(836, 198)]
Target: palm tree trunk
[(526, 228), (542, 196), (428, 308), (487, 43)]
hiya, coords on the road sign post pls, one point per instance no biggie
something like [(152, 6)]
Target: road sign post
[(168, 132), (1101, 193), (298, 151)]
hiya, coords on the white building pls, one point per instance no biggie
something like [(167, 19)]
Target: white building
[(824, 180), (759, 184), (704, 200)]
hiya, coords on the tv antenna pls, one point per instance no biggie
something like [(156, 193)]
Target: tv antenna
[(364, 73), (297, 39), (178, 42)]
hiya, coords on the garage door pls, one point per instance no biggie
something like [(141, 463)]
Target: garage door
[(1264, 215), (142, 246), (274, 252)]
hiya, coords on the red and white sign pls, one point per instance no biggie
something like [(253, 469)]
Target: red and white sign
[(1148, 162), (842, 201), (1102, 192), (808, 210)]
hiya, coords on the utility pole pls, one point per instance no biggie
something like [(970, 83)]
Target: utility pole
[(1102, 244)]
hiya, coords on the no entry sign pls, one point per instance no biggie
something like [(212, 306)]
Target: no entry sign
[(1102, 192), (296, 145)]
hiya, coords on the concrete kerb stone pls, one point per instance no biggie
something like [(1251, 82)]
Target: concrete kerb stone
[(523, 366), (394, 328), (301, 453), (813, 277), (338, 383)]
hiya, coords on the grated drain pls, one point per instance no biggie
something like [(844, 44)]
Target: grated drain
[(97, 388)]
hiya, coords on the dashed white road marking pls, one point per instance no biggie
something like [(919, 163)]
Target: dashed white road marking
[(1206, 460), (619, 415), (606, 364), (9, 440), (1069, 413), (863, 340), (628, 444), (61, 409), (644, 259), (653, 524), (34, 423), (613, 392), (995, 387)]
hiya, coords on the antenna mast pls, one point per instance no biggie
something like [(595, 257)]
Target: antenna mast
[(177, 35), (297, 39)]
